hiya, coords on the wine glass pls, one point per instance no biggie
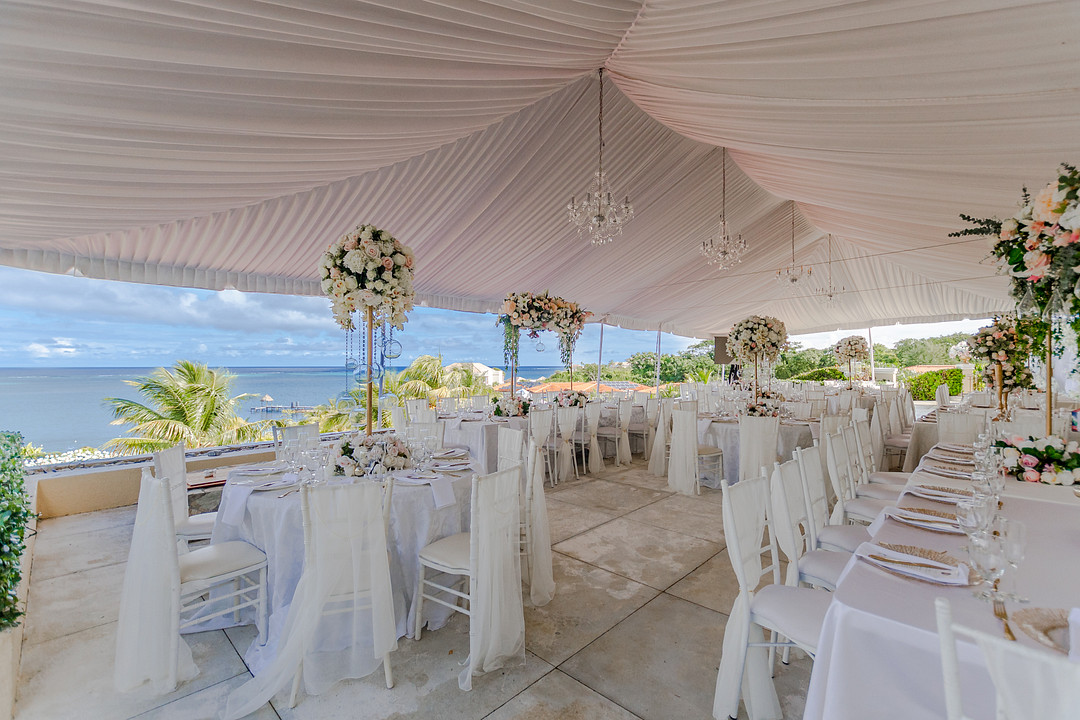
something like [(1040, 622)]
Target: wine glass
[(987, 554), (970, 515)]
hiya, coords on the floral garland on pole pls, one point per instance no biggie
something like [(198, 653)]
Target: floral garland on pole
[(850, 349), (535, 312), (368, 271), (1039, 248), (1005, 350), (755, 339)]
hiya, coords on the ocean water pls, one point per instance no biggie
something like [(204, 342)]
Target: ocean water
[(64, 408)]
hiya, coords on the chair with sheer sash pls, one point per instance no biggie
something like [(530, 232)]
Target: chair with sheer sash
[(758, 440), (170, 464), (560, 443), (847, 400), (479, 402), (958, 428), (798, 410), (535, 532), (585, 438), (688, 460), (619, 432), (413, 406), (646, 427), (658, 457), (824, 536), (896, 440), (859, 414), (418, 431), (537, 460), (295, 434), (789, 513), (341, 621), (397, 418), (165, 592), (1029, 683), (796, 613), (842, 476), (487, 559)]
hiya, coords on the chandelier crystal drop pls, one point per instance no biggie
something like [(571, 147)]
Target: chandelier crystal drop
[(796, 277), (599, 215), (829, 292), (722, 249)]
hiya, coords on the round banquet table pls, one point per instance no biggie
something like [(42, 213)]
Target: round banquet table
[(273, 524), (724, 434)]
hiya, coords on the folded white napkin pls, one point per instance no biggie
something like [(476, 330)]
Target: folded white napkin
[(454, 423), (703, 425), (914, 565), (958, 448), (450, 454), (232, 512), (452, 466), (1074, 634), (915, 519), (442, 491), (950, 457), (930, 469), (933, 494)]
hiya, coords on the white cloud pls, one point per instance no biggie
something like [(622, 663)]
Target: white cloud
[(58, 347)]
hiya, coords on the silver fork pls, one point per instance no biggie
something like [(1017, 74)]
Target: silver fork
[(999, 612)]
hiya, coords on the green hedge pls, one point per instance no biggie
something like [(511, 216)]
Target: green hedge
[(924, 385), (820, 374), (15, 513)]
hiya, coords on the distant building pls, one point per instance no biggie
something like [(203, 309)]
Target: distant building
[(492, 376)]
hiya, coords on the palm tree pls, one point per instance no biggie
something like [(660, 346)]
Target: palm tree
[(337, 413), (190, 404), (426, 377)]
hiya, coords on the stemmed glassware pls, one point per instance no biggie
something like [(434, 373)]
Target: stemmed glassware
[(987, 554), (1013, 537)]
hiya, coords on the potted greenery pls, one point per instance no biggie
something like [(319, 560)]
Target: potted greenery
[(16, 514)]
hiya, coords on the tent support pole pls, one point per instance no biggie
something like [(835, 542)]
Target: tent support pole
[(600, 358)]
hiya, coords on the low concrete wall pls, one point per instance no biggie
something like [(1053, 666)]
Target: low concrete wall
[(90, 489)]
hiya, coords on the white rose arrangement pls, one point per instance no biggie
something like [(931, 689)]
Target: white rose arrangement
[(853, 347), (757, 338), (368, 268), (357, 455)]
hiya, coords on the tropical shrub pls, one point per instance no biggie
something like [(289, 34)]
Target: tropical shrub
[(924, 385), (821, 374), (15, 514)]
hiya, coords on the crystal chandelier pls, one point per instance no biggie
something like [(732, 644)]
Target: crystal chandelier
[(598, 215), (829, 292), (722, 249), (796, 277)]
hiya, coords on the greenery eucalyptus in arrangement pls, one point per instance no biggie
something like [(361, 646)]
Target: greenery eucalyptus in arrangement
[(15, 514)]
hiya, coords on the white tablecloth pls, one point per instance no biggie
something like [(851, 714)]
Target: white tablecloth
[(725, 435), (273, 524), (878, 656), (481, 437)]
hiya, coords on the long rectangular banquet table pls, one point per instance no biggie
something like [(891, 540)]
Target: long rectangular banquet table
[(878, 655), (273, 524)]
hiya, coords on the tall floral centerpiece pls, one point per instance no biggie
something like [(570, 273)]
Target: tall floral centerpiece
[(757, 339), (1039, 249), (850, 349), (535, 312), (368, 276), (1005, 351)]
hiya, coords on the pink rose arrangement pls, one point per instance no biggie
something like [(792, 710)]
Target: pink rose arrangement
[(366, 268), (539, 311), (1048, 460)]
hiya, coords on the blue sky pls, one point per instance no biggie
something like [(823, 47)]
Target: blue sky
[(62, 321)]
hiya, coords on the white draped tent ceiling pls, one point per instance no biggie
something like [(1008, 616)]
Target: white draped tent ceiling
[(225, 143)]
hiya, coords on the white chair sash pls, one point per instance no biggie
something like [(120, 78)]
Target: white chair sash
[(658, 457), (682, 466), (592, 422), (758, 440)]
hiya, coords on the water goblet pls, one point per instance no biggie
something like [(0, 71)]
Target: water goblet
[(970, 515), (987, 556), (1013, 537)]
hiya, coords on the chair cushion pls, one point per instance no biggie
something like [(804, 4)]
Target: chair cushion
[(878, 492), (898, 441), (890, 478), (842, 537), (822, 567), (639, 427), (709, 450), (795, 612), (451, 552), (200, 525), (607, 431), (219, 559), (864, 508)]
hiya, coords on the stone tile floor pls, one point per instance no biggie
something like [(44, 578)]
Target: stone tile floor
[(634, 631)]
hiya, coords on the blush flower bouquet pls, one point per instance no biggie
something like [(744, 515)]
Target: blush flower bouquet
[(358, 454), (368, 268), (1047, 460), (539, 311)]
